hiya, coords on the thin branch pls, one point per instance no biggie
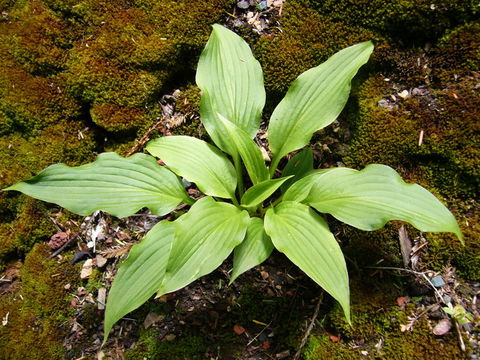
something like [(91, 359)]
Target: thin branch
[(310, 327), (412, 272)]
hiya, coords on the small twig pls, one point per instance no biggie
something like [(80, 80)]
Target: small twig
[(256, 336), (146, 137), (459, 332), (310, 327), (412, 272), (56, 224)]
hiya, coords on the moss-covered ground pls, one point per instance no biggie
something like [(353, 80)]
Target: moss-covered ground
[(82, 76)]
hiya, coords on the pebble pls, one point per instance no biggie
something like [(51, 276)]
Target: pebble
[(243, 4), (404, 94), (419, 91), (262, 5), (101, 261), (437, 281), (87, 269), (170, 337), (384, 103)]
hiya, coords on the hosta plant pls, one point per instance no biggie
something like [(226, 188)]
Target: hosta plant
[(274, 212)]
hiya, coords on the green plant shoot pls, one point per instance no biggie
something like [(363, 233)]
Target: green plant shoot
[(245, 208)]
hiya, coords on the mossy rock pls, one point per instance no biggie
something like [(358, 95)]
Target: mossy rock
[(444, 248), (409, 21), (149, 346), (376, 333), (446, 162), (457, 54), (24, 220), (307, 39), (116, 118), (38, 319), (448, 157), (36, 38), (29, 103)]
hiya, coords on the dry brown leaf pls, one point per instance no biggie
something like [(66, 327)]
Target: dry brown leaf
[(116, 252), (238, 329)]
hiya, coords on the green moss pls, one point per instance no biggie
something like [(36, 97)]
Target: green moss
[(188, 103), (377, 318), (37, 319), (411, 21), (457, 53), (29, 103), (447, 162), (115, 118), (187, 22), (448, 158), (306, 40), (67, 142), (444, 248), (24, 221), (149, 346), (36, 38)]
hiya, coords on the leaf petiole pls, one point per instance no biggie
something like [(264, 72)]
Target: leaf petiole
[(273, 165), (238, 168)]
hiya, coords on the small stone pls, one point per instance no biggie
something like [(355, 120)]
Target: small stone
[(101, 261), (437, 281), (151, 319), (67, 287), (243, 4), (87, 269), (419, 91), (170, 337), (442, 327), (404, 94), (262, 5), (384, 103), (447, 299)]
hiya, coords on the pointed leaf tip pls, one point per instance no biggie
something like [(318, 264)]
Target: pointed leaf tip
[(117, 185), (319, 256), (315, 99)]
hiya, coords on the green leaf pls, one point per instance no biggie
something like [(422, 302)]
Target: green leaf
[(231, 81), (256, 194), (299, 165), (303, 236), (370, 198), (254, 250), (119, 186), (204, 237), (241, 144), (140, 275), (314, 100), (300, 189), (198, 162)]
